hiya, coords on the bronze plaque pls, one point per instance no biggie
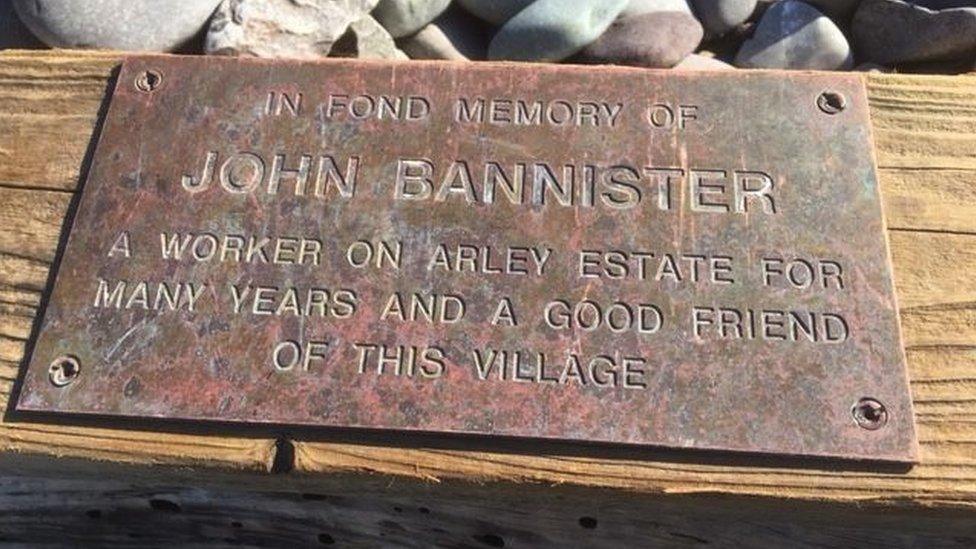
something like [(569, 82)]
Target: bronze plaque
[(687, 260)]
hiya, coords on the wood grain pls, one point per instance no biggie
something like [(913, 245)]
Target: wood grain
[(925, 130), (118, 513), (49, 104)]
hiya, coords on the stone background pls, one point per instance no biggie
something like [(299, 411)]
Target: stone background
[(932, 36)]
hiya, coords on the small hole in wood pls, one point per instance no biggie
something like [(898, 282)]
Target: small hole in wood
[(423, 510), (689, 537), (326, 539), (391, 525), (491, 540), (587, 522), (236, 524), (164, 505)]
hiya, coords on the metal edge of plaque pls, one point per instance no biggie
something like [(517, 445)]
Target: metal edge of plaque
[(822, 374)]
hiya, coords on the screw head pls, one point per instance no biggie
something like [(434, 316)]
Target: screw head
[(148, 80), (831, 102), (63, 370), (869, 414)]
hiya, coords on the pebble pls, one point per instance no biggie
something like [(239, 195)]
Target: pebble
[(495, 12), (406, 17), (720, 16), (282, 28), (547, 31), (794, 35), (640, 7), (13, 33), (366, 39), (135, 25), (456, 35), (698, 62), (890, 32), (656, 40)]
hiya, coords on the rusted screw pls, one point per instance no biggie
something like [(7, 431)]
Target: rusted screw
[(148, 80), (63, 370), (831, 102), (870, 414)]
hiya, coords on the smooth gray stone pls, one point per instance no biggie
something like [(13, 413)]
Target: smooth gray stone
[(282, 28), (640, 7), (654, 40), (140, 25), (456, 35), (794, 35), (720, 16), (890, 32), (13, 33), (495, 12), (405, 17), (548, 31)]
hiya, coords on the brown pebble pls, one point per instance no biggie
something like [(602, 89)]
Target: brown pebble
[(656, 39)]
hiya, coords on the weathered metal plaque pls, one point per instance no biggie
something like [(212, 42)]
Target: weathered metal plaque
[(687, 260)]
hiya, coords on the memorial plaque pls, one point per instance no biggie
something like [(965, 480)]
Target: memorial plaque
[(677, 259)]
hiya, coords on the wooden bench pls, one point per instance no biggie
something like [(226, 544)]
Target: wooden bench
[(111, 482)]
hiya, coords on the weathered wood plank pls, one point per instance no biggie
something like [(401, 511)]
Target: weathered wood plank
[(926, 149), (113, 512), (48, 106), (925, 136)]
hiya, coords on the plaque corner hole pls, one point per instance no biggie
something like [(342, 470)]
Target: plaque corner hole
[(63, 370), (148, 80), (831, 102), (869, 413)]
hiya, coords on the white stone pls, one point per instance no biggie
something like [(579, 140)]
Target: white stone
[(282, 28)]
